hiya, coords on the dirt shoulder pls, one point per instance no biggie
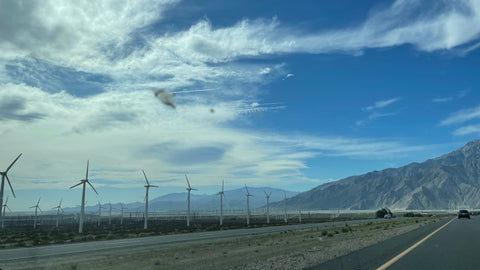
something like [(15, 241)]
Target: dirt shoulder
[(283, 250)]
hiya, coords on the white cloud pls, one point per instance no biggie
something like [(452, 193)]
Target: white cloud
[(441, 100), (381, 104), (123, 132), (266, 70), (471, 129), (462, 116)]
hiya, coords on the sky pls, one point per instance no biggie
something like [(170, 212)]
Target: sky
[(267, 93)]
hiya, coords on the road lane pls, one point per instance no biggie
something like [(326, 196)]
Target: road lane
[(32, 253), (376, 255), (457, 246)]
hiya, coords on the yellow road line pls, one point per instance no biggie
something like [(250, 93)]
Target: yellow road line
[(405, 252)]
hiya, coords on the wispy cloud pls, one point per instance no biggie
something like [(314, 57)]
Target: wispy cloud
[(460, 95), (472, 129), (381, 104), (441, 100), (376, 111), (462, 116)]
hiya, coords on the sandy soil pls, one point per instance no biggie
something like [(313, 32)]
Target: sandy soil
[(285, 250)]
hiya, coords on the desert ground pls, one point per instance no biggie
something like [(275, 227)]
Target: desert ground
[(282, 250)]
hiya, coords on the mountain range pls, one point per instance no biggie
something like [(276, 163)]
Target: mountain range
[(439, 183), (177, 202)]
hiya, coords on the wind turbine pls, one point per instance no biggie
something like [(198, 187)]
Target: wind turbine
[(4, 175), (222, 194), (99, 213), (59, 207), (299, 212), (267, 195), (121, 216), (188, 200), (248, 205), (285, 206), (5, 206), (36, 208), (147, 186), (110, 214), (82, 211)]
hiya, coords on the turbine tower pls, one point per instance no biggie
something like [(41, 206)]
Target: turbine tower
[(5, 206), (299, 212), (248, 205), (121, 216), (99, 213), (222, 194), (5, 176), (82, 211), (147, 186), (188, 200), (285, 206), (267, 195), (59, 207), (110, 214), (36, 208)]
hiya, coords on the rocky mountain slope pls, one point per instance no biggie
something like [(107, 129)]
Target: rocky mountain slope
[(434, 184)]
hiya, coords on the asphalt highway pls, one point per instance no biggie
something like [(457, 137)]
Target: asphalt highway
[(457, 246), (32, 253), (448, 244)]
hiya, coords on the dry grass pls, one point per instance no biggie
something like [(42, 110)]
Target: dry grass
[(285, 250)]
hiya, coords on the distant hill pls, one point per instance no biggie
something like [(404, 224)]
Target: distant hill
[(433, 184), (233, 200)]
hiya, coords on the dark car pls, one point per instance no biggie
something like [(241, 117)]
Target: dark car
[(463, 214)]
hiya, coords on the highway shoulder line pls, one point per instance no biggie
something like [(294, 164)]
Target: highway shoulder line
[(405, 252)]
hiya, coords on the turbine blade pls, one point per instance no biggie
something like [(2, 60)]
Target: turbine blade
[(76, 185), (8, 208), (11, 188), (188, 182), (193, 189), (145, 177), (92, 187), (247, 189), (6, 201), (223, 185), (13, 163), (60, 202), (40, 209), (38, 200), (153, 186)]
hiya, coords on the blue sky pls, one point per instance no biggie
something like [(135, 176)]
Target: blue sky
[(268, 93)]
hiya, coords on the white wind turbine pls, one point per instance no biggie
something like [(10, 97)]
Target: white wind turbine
[(36, 208), (222, 194), (5, 176), (121, 215), (267, 195), (248, 205), (110, 213), (285, 207), (299, 212), (58, 207), (99, 213), (82, 211), (5, 206), (188, 200), (147, 186)]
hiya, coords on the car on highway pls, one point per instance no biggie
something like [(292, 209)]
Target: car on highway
[(463, 214)]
